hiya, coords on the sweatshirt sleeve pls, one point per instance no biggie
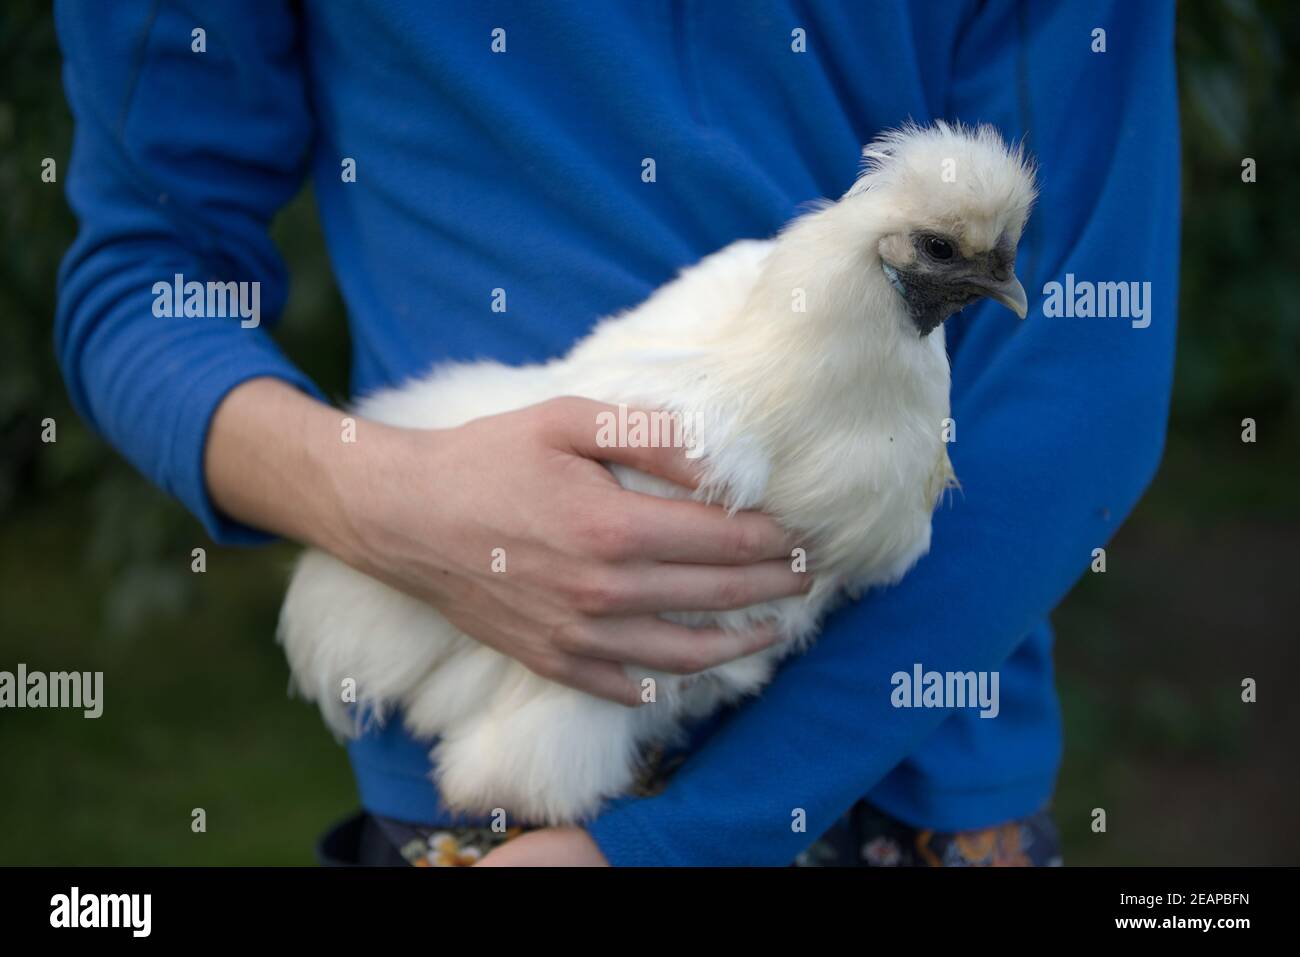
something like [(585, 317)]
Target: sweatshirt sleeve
[(1060, 426), (186, 144)]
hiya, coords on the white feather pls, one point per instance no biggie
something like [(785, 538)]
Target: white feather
[(828, 419)]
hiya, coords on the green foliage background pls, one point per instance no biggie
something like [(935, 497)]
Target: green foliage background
[(94, 563)]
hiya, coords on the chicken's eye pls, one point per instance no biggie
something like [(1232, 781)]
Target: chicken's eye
[(938, 248)]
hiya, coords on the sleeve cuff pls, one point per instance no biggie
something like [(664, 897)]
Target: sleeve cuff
[(626, 841)]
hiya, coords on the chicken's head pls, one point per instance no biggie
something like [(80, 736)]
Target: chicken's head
[(948, 206)]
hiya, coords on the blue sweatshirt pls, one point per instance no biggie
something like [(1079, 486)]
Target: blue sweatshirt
[(522, 170)]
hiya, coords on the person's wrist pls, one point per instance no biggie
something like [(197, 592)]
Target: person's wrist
[(360, 479), (341, 503)]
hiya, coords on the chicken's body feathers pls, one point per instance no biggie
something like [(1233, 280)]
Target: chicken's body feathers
[(810, 396)]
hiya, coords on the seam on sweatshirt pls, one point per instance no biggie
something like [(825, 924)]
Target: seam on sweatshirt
[(137, 67), (209, 255), (687, 67)]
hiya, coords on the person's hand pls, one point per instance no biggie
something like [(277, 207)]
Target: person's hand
[(511, 528), (549, 847)]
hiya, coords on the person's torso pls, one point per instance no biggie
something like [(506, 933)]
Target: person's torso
[(523, 169)]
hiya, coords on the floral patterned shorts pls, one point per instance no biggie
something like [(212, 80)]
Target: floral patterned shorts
[(864, 837)]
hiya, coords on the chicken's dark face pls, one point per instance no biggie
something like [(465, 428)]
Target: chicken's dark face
[(937, 275)]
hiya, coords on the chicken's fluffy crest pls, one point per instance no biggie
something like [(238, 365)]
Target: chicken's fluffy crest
[(951, 172)]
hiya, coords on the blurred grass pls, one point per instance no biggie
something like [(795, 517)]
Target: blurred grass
[(95, 563), (1199, 593), (195, 716)]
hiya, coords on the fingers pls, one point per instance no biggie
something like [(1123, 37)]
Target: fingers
[(660, 645), (604, 679), (654, 588), (516, 635), (646, 526), (669, 530), (667, 587), (592, 429)]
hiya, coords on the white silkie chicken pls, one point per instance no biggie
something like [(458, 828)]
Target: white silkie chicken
[(829, 419)]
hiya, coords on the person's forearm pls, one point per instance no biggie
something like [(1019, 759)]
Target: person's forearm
[(424, 511), (273, 459)]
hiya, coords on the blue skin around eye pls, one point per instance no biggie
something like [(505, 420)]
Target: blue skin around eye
[(522, 171), (892, 275)]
